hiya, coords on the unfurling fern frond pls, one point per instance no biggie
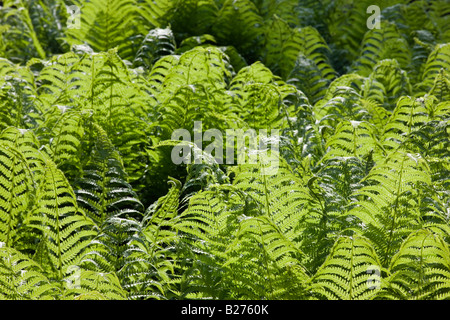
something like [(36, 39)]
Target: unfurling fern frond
[(420, 269), (22, 278), (350, 272)]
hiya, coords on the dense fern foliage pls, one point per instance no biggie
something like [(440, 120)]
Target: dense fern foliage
[(92, 205)]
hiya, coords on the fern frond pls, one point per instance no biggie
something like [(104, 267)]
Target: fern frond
[(408, 115), (349, 272), (16, 192), (388, 206), (26, 142), (387, 83), (341, 177), (150, 261), (23, 30), (206, 66), (192, 17), (240, 14), (441, 86), (284, 45), (380, 44), (437, 60), (155, 13), (59, 82), (269, 227), (346, 103), (346, 23), (22, 278), (103, 190), (90, 285), (64, 139), (106, 24), (106, 252), (353, 139), (157, 43), (269, 254), (420, 269), (19, 104), (66, 231)]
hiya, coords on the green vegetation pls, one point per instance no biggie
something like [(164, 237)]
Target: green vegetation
[(92, 207)]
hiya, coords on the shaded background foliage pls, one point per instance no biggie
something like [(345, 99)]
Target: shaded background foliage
[(92, 206)]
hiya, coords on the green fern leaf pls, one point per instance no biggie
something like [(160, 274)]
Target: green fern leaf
[(408, 115), (105, 24), (16, 192), (349, 272), (23, 279), (157, 43), (283, 46), (103, 190), (354, 139), (91, 285), (380, 44), (66, 231), (387, 83), (26, 142), (240, 14), (388, 206), (420, 269), (438, 59)]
